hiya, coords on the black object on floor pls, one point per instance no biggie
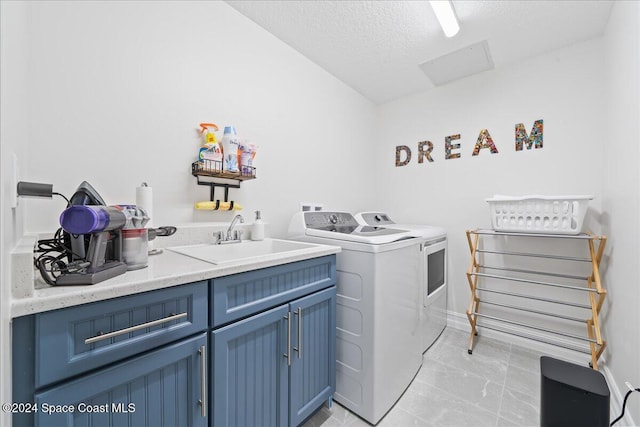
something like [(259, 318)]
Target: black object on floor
[(572, 395)]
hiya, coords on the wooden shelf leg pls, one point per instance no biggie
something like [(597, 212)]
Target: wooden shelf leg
[(601, 298), (601, 349), (594, 320), (474, 303), (595, 261), (593, 324), (472, 321), (593, 347)]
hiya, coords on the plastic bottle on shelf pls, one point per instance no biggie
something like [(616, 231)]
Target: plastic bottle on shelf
[(247, 154), (210, 154), (257, 230), (230, 150)]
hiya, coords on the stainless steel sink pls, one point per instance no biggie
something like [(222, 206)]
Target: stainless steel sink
[(245, 251)]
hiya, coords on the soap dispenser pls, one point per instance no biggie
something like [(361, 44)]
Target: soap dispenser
[(257, 231)]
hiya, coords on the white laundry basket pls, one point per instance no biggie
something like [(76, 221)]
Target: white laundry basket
[(539, 214)]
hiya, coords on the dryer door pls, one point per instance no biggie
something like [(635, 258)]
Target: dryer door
[(434, 292), (435, 259)]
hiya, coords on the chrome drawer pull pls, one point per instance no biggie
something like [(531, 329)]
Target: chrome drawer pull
[(203, 381), (299, 348), (288, 353), (101, 337)]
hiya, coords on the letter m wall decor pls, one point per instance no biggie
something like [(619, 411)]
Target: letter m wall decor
[(535, 138)]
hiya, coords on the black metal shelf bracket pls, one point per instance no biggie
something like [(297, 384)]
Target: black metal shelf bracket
[(213, 186), (213, 169)]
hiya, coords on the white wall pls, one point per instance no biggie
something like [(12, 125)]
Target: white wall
[(112, 93), (120, 87), (13, 122), (564, 88), (621, 221)]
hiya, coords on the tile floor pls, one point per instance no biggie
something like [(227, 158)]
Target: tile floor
[(498, 385)]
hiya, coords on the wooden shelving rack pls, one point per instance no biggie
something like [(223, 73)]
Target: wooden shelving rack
[(593, 287), (213, 169)]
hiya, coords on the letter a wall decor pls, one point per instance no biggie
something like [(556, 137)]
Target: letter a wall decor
[(484, 141)]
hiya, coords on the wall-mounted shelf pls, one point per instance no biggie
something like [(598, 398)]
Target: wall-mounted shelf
[(212, 169), (536, 293)]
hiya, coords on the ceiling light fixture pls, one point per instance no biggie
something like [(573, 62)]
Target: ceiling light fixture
[(446, 16)]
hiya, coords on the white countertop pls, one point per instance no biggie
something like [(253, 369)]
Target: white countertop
[(32, 295)]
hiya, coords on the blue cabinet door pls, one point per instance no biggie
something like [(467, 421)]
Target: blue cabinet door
[(313, 364), (166, 387), (250, 371)]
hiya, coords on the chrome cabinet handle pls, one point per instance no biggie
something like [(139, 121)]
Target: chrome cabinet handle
[(101, 337), (288, 353), (203, 380), (299, 348)]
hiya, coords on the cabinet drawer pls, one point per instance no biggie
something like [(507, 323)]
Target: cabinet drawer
[(81, 338), (165, 387), (244, 294)]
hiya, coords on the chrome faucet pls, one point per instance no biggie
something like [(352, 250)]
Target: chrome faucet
[(231, 236), (233, 223)]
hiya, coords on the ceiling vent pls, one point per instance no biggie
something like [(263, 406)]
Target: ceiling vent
[(461, 63)]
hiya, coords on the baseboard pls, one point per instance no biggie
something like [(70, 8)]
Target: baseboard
[(460, 322), (617, 397)]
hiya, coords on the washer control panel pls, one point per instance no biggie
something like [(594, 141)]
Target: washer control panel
[(320, 220)]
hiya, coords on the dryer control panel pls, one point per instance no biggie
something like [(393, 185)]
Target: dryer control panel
[(376, 218)]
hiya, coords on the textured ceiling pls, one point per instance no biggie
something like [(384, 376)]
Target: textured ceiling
[(376, 46)]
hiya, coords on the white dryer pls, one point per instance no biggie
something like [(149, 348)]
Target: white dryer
[(433, 283), (378, 346)]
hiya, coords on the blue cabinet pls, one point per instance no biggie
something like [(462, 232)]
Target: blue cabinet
[(313, 373), (249, 349), (250, 372), (161, 388), (105, 355), (277, 367)]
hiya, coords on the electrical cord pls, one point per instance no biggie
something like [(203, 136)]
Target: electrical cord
[(63, 196), (50, 261), (50, 266), (624, 402)]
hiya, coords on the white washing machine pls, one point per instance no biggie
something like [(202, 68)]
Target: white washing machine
[(433, 284), (378, 346)]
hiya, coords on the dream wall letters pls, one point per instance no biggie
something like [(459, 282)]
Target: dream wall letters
[(484, 141)]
